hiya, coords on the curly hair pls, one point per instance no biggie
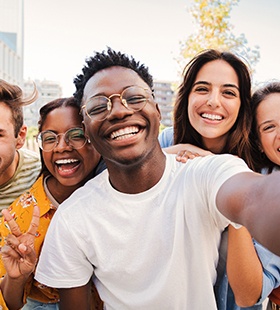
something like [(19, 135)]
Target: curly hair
[(12, 97), (238, 139), (104, 60), (259, 158)]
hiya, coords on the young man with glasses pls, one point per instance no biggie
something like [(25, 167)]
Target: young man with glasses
[(135, 227)]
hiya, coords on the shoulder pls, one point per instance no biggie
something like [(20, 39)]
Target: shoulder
[(166, 137), (29, 155), (26, 201), (29, 160)]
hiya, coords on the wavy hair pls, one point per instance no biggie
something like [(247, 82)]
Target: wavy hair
[(238, 142), (12, 96)]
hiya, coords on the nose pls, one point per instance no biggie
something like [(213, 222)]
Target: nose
[(61, 144), (214, 100), (118, 109)]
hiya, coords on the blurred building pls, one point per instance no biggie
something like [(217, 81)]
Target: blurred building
[(48, 91), (11, 41), (165, 96)]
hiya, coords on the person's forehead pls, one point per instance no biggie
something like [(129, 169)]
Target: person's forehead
[(112, 80), (5, 111)]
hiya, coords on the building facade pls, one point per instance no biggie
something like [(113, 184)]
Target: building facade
[(48, 91), (11, 41), (165, 96)]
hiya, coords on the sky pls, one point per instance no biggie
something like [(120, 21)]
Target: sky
[(60, 34)]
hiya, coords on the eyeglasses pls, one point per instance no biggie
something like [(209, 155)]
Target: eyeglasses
[(74, 137), (133, 98)]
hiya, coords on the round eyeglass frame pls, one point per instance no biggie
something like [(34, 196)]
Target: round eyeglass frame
[(104, 114), (56, 142)]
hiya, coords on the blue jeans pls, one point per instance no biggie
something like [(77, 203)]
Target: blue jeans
[(37, 305)]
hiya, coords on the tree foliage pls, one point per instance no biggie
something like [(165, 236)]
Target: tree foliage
[(213, 30)]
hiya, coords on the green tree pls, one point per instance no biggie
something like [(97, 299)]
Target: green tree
[(31, 132), (215, 31), (30, 142)]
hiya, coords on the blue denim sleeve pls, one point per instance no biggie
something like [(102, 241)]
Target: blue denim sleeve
[(166, 137), (271, 270)]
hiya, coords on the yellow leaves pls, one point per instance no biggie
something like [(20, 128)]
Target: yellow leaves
[(213, 29)]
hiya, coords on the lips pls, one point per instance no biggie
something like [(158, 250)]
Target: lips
[(212, 117), (124, 133)]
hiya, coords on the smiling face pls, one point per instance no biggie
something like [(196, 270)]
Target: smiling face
[(268, 122), (9, 144), (214, 103), (125, 136), (69, 166)]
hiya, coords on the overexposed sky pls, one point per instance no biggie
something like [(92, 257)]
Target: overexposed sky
[(61, 34)]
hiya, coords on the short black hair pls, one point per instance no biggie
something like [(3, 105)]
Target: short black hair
[(106, 59)]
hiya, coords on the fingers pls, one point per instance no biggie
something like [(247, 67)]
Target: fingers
[(12, 223), (35, 221), (14, 226), (9, 251), (184, 155)]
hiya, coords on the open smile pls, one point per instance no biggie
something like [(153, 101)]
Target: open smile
[(125, 133), (212, 117)]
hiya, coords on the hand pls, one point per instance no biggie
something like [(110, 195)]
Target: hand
[(184, 155), (186, 151), (18, 254)]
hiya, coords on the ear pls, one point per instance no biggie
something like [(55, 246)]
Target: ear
[(159, 113), (21, 137)]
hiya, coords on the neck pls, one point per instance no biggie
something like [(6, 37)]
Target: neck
[(215, 145), (139, 177), (60, 192)]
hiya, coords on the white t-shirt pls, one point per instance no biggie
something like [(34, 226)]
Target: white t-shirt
[(153, 250)]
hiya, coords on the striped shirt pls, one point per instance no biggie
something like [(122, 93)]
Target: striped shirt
[(26, 174)]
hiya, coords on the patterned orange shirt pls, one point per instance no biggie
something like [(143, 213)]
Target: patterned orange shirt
[(22, 210)]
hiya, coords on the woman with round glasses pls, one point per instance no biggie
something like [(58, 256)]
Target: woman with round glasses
[(68, 161)]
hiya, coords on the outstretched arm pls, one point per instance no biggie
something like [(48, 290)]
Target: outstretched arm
[(19, 259), (253, 200)]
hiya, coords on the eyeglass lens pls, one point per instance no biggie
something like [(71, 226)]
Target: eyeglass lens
[(74, 137)]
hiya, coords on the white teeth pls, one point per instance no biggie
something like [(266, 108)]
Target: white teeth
[(124, 132), (211, 116), (65, 161)]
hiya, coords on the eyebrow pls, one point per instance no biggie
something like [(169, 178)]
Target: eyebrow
[(224, 85)]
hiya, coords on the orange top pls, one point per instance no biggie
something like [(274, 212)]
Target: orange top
[(22, 210)]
